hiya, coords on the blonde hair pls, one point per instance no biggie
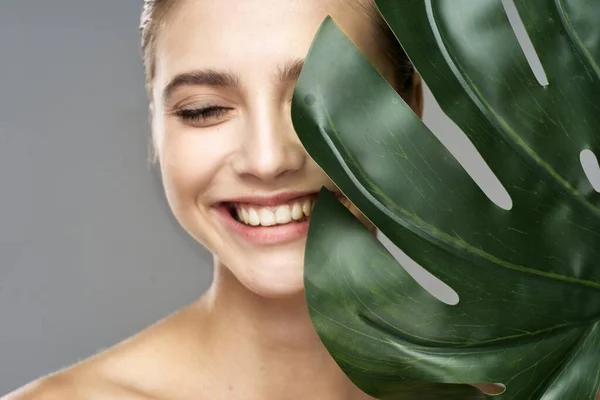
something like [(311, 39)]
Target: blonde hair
[(155, 14), (154, 17)]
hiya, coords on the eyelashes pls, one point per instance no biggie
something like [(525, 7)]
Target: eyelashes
[(201, 114), (205, 116)]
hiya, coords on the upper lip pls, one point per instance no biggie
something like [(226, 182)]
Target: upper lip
[(275, 199)]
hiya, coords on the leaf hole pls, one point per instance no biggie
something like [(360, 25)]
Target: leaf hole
[(491, 389), (457, 143), (432, 284), (589, 162), (525, 41)]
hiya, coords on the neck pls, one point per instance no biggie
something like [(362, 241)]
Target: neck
[(268, 347)]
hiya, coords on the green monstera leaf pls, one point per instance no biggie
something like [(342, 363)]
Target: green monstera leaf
[(529, 277)]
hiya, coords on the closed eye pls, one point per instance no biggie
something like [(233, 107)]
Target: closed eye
[(201, 114)]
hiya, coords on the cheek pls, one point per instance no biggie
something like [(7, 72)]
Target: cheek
[(190, 160)]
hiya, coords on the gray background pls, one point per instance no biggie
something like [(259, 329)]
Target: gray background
[(89, 251)]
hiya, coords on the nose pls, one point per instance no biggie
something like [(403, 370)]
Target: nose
[(270, 148)]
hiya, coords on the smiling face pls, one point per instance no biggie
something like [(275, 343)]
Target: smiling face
[(236, 175)]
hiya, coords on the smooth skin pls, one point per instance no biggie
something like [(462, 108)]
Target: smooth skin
[(249, 336)]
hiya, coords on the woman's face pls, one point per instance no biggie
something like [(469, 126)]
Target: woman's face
[(225, 75)]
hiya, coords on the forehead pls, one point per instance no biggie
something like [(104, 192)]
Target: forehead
[(253, 37)]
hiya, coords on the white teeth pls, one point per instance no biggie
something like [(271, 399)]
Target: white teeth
[(269, 216), (253, 218), (283, 215), (297, 211), (306, 207)]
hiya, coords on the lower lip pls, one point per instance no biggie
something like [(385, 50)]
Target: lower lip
[(264, 235)]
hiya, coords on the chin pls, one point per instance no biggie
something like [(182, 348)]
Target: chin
[(273, 275), (277, 285)]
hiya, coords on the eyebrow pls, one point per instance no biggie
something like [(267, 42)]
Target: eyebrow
[(226, 79)]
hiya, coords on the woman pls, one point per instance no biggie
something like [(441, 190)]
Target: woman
[(220, 76)]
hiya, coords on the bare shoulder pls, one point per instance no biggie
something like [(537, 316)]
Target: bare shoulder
[(142, 367), (63, 386), (49, 388)]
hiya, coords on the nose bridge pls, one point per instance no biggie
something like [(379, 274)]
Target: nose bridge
[(270, 146)]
